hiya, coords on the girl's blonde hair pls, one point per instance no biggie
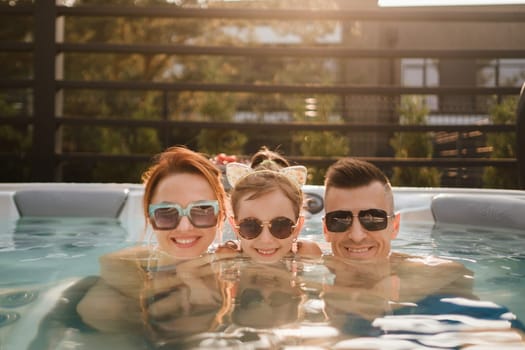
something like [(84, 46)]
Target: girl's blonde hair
[(261, 182)]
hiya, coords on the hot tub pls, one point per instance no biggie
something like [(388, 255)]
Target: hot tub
[(51, 236)]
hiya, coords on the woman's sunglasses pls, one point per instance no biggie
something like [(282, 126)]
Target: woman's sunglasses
[(370, 219), (280, 227), (167, 216)]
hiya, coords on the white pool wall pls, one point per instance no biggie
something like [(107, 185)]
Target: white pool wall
[(131, 215), (412, 203)]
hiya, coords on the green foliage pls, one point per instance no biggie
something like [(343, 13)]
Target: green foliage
[(322, 144), (114, 140), (219, 107), (218, 141), (503, 146), (406, 145), (15, 140), (179, 105), (318, 143)]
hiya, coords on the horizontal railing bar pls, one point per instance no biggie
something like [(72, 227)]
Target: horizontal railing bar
[(19, 9), (432, 162), (322, 161), (319, 51), (312, 161), (22, 157), (346, 127), (379, 14), (17, 46), (16, 83), (428, 162), (308, 161), (282, 88), (266, 88), (16, 120)]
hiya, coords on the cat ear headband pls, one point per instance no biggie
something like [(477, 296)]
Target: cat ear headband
[(237, 171)]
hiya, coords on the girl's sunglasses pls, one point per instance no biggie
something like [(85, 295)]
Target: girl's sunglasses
[(167, 216), (370, 219), (280, 227)]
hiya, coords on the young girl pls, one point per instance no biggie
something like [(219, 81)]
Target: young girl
[(266, 213)]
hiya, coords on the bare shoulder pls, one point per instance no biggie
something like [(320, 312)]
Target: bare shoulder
[(424, 275), (309, 249), (433, 269), (129, 253), (430, 263), (123, 264)]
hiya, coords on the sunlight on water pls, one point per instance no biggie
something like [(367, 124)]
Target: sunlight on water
[(49, 266)]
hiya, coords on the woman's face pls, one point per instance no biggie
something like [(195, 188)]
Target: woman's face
[(185, 240), (265, 247)]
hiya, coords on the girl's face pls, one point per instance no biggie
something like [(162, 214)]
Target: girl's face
[(185, 240), (266, 247)]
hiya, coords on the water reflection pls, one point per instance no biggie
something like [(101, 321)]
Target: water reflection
[(214, 303), (237, 304), (266, 296), (233, 302), (384, 304), (181, 301)]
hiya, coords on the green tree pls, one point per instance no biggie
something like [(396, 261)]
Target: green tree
[(119, 104), (212, 142), (503, 146), (178, 105), (15, 139), (319, 143), (413, 112)]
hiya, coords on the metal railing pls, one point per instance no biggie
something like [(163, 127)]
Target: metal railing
[(45, 83)]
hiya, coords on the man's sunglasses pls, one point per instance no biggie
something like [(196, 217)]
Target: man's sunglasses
[(280, 227), (370, 219), (167, 216)]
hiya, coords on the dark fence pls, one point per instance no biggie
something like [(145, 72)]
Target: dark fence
[(46, 84)]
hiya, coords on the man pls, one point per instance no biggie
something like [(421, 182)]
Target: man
[(360, 225), (370, 281)]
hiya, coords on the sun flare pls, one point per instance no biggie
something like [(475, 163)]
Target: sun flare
[(406, 3)]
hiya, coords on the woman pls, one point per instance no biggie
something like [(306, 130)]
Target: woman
[(266, 213), (184, 207)]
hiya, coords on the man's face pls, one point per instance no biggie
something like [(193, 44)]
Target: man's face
[(357, 242)]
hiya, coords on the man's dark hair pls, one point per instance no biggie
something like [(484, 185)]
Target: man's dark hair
[(352, 173)]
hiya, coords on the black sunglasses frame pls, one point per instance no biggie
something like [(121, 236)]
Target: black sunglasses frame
[(378, 222)]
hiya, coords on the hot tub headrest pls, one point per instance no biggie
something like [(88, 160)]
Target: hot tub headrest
[(70, 202), (501, 211)]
